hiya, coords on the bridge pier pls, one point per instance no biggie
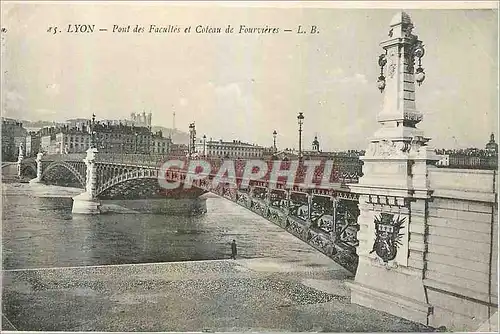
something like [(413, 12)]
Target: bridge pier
[(39, 169), (87, 202), (20, 158)]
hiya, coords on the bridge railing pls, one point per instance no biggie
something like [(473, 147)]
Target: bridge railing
[(341, 173), (130, 159), (154, 160), (64, 157)]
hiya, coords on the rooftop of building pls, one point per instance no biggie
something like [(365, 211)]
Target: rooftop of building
[(232, 143), (474, 152), (121, 128), (11, 121)]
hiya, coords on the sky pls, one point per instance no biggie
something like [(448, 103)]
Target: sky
[(245, 86)]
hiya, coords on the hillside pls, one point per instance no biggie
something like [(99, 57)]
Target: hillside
[(178, 137)]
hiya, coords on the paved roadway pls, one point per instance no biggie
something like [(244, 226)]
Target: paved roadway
[(261, 294)]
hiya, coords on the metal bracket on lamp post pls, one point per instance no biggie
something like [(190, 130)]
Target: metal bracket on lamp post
[(414, 51)]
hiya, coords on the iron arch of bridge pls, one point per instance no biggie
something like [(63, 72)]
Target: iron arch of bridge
[(331, 231), (129, 175), (28, 166), (325, 219), (61, 164)]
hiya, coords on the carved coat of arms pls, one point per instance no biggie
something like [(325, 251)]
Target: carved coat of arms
[(387, 236)]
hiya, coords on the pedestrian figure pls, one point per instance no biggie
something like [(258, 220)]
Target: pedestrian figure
[(234, 251)]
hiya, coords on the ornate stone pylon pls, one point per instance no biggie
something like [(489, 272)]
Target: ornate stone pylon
[(20, 159), (39, 170), (86, 202), (394, 189)]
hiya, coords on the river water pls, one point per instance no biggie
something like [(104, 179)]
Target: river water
[(146, 272), (40, 231)]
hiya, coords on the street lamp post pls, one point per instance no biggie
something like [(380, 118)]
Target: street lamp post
[(274, 140), (93, 141), (300, 119), (192, 139), (204, 141)]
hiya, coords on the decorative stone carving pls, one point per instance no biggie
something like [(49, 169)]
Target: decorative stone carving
[(381, 199), (403, 147), (419, 149), (387, 149), (391, 69), (413, 116), (387, 236), (388, 265)]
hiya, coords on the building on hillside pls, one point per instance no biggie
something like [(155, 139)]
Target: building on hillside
[(143, 120), (315, 145), (109, 138), (71, 140), (13, 137), (228, 149), (74, 123), (315, 149), (76, 137), (470, 158), (179, 150), (47, 138), (160, 144), (492, 146), (269, 153), (287, 154), (136, 119), (32, 146), (64, 139), (119, 138), (444, 160)]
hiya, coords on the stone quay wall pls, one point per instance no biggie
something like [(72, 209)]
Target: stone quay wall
[(462, 248)]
